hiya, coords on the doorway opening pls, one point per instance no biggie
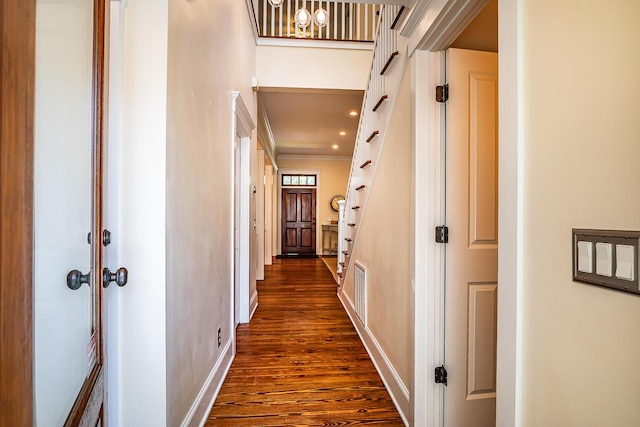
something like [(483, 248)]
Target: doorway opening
[(298, 227), (242, 304)]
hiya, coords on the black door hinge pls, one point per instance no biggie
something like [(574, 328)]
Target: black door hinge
[(442, 93), (442, 234), (441, 375)]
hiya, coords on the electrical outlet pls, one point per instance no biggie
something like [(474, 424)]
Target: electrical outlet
[(219, 337)]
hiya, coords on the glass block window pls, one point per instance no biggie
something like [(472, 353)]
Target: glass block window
[(298, 180)]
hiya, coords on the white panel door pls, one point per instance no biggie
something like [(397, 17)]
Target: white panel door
[(68, 248), (472, 252)]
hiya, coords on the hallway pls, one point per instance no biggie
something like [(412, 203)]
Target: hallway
[(300, 361)]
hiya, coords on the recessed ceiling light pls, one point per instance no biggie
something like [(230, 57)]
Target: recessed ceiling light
[(353, 113), (343, 133), (334, 146)]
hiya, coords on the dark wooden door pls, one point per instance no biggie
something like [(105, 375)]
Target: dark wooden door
[(299, 221)]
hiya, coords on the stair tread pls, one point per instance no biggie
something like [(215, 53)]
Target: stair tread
[(365, 164), (398, 15), (382, 99), (373, 135), (360, 187), (389, 61)]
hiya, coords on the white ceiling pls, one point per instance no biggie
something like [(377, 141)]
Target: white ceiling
[(310, 122)]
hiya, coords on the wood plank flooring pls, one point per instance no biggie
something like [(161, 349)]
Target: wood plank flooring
[(300, 362)]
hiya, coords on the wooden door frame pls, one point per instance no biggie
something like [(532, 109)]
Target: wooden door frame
[(429, 36), (291, 171), (17, 89)]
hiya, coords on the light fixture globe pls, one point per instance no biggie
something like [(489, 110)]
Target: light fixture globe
[(276, 3), (321, 17), (303, 18)]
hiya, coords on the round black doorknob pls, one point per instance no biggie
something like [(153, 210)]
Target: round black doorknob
[(75, 279), (120, 277)]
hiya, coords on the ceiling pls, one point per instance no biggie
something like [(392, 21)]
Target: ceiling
[(309, 122)]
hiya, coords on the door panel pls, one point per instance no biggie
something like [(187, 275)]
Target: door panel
[(299, 221), (305, 238), (67, 210), (471, 254), (481, 370)]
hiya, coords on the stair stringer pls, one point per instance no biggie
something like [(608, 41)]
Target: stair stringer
[(371, 121)]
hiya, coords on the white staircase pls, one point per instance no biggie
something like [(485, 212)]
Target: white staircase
[(384, 80)]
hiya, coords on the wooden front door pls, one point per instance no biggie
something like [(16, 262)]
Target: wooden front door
[(472, 251), (299, 221)]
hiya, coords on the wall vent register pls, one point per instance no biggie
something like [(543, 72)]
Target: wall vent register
[(606, 258)]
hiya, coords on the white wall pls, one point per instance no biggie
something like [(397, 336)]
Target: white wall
[(582, 145), (211, 52), (142, 376), (312, 68)]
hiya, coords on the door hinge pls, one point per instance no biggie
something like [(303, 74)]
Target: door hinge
[(442, 93), (441, 375), (442, 234)]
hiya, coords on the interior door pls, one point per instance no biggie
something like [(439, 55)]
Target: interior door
[(471, 286), (298, 221), (68, 208)]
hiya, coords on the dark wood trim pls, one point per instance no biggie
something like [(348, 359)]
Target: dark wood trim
[(292, 38), (360, 187), (389, 61), (17, 62), (355, 208), (397, 18), (365, 164), (347, 239), (373, 135), (382, 99), (352, 224)]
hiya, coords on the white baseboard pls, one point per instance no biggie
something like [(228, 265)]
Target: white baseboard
[(395, 386), (253, 305), (201, 407)]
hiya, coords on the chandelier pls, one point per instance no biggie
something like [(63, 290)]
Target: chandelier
[(303, 17)]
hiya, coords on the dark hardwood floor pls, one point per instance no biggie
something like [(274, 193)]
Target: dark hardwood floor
[(300, 361)]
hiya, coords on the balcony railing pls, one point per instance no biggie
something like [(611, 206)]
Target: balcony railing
[(344, 21)]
